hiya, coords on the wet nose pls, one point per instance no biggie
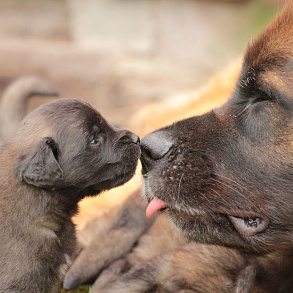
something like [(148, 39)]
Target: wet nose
[(154, 147)]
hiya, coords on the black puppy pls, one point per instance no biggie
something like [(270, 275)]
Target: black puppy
[(61, 152)]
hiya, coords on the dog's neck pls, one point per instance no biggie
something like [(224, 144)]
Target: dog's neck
[(275, 268)]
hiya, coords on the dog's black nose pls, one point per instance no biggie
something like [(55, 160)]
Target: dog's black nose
[(154, 147)]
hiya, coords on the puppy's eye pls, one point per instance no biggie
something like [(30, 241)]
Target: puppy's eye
[(95, 141)]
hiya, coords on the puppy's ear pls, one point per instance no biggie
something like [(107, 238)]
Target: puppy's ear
[(39, 166)]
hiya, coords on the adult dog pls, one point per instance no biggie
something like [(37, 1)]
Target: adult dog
[(225, 180), (60, 153), (225, 177)]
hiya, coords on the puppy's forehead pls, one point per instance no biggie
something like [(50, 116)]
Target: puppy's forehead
[(67, 113), (57, 118)]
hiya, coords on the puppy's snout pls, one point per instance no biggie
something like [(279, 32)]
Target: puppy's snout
[(154, 147), (134, 138), (129, 137)]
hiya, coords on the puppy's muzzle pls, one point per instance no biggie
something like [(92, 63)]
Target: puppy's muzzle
[(154, 147), (129, 137)]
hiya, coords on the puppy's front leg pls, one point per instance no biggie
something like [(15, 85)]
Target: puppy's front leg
[(246, 279), (192, 268), (111, 245), (158, 238)]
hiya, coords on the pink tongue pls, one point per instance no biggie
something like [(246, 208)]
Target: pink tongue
[(155, 205)]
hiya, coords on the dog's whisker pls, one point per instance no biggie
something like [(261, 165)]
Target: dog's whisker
[(231, 202), (230, 187), (210, 213), (237, 183)]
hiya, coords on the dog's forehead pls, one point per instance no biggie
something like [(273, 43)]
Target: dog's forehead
[(274, 46), (270, 56)]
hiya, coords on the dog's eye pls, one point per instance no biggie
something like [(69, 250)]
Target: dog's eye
[(267, 95), (261, 97)]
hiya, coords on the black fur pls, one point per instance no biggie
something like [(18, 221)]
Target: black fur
[(62, 152)]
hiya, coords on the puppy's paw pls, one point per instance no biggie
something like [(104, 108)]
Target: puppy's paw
[(154, 275), (110, 245), (111, 274), (191, 268)]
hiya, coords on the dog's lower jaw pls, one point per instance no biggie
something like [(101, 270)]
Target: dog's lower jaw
[(217, 229)]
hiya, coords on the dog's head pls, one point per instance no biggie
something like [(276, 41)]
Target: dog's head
[(67, 145), (227, 177)]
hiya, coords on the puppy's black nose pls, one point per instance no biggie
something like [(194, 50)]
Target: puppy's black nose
[(154, 147), (134, 138), (129, 137)]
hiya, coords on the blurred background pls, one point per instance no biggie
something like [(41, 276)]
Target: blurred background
[(120, 55)]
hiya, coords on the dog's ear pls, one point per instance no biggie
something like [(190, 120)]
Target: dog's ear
[(39, 166)]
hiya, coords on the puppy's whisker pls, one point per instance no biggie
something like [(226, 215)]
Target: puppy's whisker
[(179, 185)]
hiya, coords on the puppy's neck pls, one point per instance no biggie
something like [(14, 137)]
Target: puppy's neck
[(47, 210)]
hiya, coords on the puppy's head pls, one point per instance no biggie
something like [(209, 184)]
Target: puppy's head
[(227, 177), (67, 145)]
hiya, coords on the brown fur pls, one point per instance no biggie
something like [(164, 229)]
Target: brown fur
[(94, 218), (61, 152), (257, 261), (129, 223), (232, 184)]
